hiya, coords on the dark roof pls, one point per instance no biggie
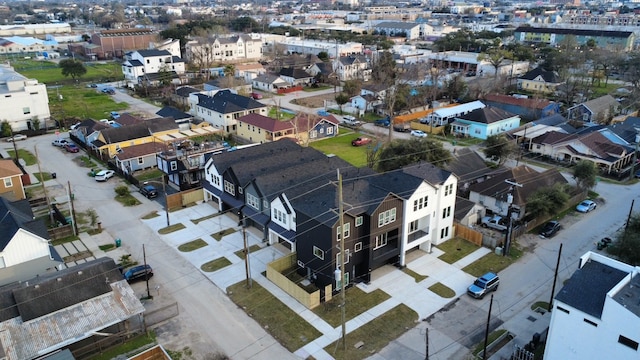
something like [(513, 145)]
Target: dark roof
[(576, 32), (397, 182), (552, 137), (295, 73), (227, 82), (91, 126), (487, 115), (15, 216), (128, 119), (627, 130), (429, 172), (551, 120), (115, 135), (184, 91), (325, 68), (548, 76), (531, 180), (169, 111), (463, 206), (587, 288), (161, 124), (153, 52), (265, 122), (135, 63), (467, 165), (136, 151), (226, 102), (349, 60), (268, 78), (58, 290), (224, 160)]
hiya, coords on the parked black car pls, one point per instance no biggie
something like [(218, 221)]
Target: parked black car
[(550, 229), (140, 272), (149, 191)]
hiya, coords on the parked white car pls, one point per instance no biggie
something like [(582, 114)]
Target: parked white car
[(104, 175), (17, 137), (418, 133), (60, 142)]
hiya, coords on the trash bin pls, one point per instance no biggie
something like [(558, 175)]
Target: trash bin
[(54, 175), (118, 242), (498, 250)]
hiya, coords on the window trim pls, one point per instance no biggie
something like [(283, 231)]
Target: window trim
[(317, 252), (357, 247), (8, 182), (359, 220)]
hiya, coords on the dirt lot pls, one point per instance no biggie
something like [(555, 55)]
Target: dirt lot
[(314, 101)]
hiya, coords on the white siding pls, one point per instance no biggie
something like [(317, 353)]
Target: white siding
[(24, 247)]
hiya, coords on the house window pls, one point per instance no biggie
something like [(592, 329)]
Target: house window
[(562, 309), (8, 182), (444, 232), (359, 221), (313, 134), (265, 204), (387, 217), (26, 110), (253, 201), (317, 252), (347, 231), (330, 130), (358, 247), (448, 189), (346, 281), (413, 226), (381, 240), (446, 212), (590, 322), (339, 258), (174, 166), (628, 342), (216, 180), (240, 190), (140, 161), (229, 188)]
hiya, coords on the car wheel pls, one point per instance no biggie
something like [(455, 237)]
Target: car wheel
[(496, 288)]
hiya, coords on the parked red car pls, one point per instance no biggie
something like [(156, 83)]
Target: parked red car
[(72, 148), (360, 141), (256, 95)]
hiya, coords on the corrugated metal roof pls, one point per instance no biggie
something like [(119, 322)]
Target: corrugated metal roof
[(28, 340), (460, 109)]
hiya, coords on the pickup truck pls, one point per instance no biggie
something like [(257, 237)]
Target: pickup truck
[(360, 141), (349, 120), (494, 222)]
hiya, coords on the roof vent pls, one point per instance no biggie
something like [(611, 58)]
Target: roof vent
[(59, 279), (80, 272), (37, 286)]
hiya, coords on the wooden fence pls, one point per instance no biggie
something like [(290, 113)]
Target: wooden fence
[(290, 90), (468, 234), (60, 232), (274, 274), (416, 125), (184, 198)]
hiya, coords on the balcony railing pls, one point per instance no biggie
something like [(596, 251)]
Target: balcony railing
[(417, 235)]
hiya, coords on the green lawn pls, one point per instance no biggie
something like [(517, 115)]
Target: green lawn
[(220, 234), (43, 176), (25, 155), (375, 334), (287, 327), (493, 262), (171, 228), (283, 115), (82, 102), (455, 249), (442, 290), (341, 147), (49, 73), (357, 302), (146, 175)]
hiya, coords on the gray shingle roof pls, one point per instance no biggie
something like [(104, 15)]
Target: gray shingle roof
[(587, 288), (295, 73), (153, 52), (487, 115), (15, 216), (429, 172), (176, 114), (548, 76), (467, 165), (226, 102)]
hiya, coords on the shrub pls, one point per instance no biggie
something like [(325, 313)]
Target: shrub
[(122, 190)]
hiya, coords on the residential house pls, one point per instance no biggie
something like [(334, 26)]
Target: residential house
[(605, 39), (224, 49), (88, 131), (596, 313), (183, 161), (494, 192), (365, 103), (627, 132), (322, 72), (528, 108), (269, 83), (141, 63), (296, 77), (484, 122), (468, 213), (181, 95), (11, 186), (411, 31), (596, 111), (446, 115), (183, 119), (236, 84), (376, 90), (54, 311), (312, 127), (110, 141), (352, 67), (371, 231), (25, 251), (249, 71), (137, 157), (302, 128), (23, 101), (539, 80), (223, 109), (469, 167)]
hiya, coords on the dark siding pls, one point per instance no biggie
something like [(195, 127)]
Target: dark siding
[(388, 254), (311, 233)]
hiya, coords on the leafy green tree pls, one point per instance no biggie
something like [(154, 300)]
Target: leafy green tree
[(73, 68), (244, 24), (547, 200), (400, 153), (323, 55), (499, 147), (342, 99), (585, 173), (495, 57), (5, 128), (626, 246)]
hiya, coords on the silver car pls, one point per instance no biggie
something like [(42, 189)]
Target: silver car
[(104, 175)]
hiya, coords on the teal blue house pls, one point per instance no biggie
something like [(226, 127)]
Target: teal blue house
[(485, 122)]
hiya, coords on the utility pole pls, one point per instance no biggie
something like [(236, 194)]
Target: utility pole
[(342, 260), (626, 226), (146, 273), (166, 203), (241, 223), (555, 279), (510, 211), (74, 223), (486, 332), (44, 188), (426, 353)]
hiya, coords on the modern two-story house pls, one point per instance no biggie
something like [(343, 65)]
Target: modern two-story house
[(223, 109), (141, 63)]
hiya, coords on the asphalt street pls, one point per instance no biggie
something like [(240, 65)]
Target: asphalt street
[(217, 323)]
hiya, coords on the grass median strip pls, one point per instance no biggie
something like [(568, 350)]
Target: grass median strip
[(442, 290), (150, 215), (493, 262), (375, 335), (252, 248), (192, 245), (414, 274), (25, 155), (456, 249), (215, 265), (357, 302), (171, 228), (220, 234), (198, 220), (287, 327)]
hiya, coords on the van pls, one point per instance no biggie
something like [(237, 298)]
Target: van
[(484, 284)]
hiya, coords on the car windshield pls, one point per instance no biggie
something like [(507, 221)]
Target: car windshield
[(479, 283)]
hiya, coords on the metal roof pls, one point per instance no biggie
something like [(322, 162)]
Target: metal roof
[(459, 109)]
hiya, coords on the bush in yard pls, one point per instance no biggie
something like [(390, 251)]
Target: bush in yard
[(122, 190)]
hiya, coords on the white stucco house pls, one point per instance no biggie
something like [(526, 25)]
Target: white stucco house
[(140, 63), (22, 100)]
